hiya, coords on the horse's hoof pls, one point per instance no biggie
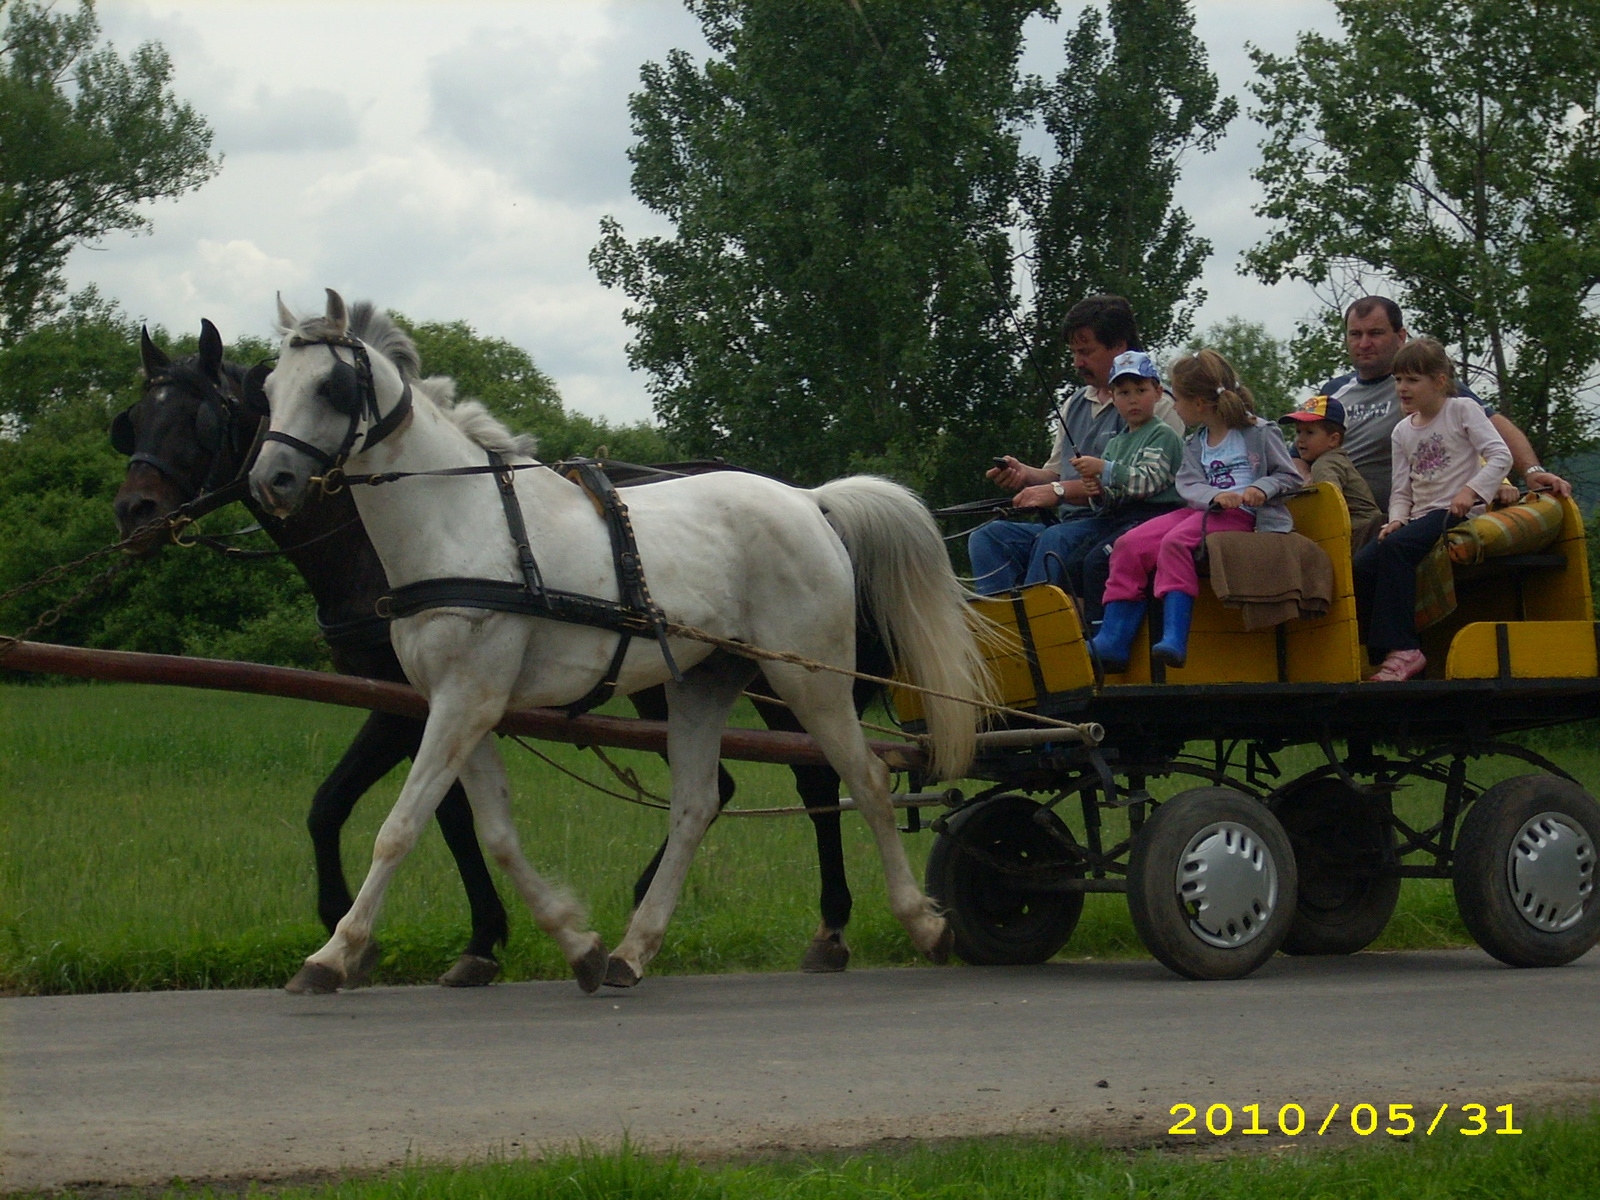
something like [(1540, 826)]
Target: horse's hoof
[(314, 979), (620, 975), (361, 975), (825, 955), (939, 953), (470, 970), (593, 968)]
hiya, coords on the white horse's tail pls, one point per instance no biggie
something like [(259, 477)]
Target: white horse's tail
[(904, 578)]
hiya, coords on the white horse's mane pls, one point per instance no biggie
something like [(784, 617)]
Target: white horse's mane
[(379, 331), (476, 421)]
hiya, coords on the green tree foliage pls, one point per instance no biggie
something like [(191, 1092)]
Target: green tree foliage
[(839, 177), (1135, 97), (1452, 149), (85, 137), (57, 482), (90, 349), (1263, 362), (61, 383), (505, 377)]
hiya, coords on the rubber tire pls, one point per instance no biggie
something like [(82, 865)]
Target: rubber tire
[(1340, 906), (994, 924), (1482, 885), (1153, 902)]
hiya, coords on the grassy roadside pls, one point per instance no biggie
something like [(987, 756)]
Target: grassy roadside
[(154, 838), (1552, 1157)]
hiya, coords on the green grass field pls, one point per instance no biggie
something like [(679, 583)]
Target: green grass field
[(154, 838), (1555, 1157)]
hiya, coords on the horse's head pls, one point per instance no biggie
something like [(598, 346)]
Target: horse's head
[(324, 392), (186, 434)]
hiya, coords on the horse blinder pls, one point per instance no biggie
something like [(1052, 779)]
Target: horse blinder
[(255, 392), (124, 440), (341, 388)]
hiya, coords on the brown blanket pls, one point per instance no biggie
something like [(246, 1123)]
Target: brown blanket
[(1272, 577)]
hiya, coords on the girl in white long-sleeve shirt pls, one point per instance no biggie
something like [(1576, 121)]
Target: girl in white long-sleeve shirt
[(1448, 459)]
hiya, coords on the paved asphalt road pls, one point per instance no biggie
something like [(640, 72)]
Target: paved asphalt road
[(135, 1088)]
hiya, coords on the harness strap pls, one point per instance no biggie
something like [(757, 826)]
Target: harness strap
[(635, 615), (358, 633)]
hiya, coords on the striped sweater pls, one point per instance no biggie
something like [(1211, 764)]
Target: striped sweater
[(1142, 463)]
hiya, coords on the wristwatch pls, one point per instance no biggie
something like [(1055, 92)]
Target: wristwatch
[(1055, 486), (1536, 469)]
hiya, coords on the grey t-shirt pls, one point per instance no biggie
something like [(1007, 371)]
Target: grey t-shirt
[(1371, 411)]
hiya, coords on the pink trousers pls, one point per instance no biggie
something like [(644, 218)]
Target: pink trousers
[(1164, 546)]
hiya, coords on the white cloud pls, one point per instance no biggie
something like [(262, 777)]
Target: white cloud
[(452, 160)]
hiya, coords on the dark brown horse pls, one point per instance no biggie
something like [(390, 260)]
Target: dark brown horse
[(190, 433)]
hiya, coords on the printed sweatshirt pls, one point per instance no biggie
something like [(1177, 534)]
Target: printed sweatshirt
[(1458, 448), (1276, 475)]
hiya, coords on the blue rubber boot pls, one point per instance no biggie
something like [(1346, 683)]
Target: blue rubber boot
[(1177, 610), (1115, 639)]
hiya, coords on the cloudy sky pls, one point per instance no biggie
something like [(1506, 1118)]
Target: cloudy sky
[(453, 161)]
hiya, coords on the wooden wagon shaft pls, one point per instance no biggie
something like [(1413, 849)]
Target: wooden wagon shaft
[(546, 724)]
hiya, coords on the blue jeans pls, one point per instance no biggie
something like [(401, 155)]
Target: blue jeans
[(1012, 554)]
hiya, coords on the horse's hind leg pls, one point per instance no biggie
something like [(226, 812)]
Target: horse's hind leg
[(819, 788), (822, 704), (699, 713)]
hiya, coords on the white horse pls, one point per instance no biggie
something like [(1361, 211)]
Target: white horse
[(740, 556)]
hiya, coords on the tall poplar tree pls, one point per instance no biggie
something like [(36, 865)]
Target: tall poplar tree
[(839, 175), (1447, 153), (1135, 96)]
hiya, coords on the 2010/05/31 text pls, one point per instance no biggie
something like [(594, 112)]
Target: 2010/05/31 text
[(1363, 1119)]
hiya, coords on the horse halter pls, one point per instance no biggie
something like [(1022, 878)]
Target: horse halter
[(349, 391), (215, 425)]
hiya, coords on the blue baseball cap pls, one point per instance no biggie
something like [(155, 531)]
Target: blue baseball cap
[(1318, 408), (1134, 362)]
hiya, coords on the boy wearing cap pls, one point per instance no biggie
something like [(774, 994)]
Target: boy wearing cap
[(1319, 429), (1134, 478)]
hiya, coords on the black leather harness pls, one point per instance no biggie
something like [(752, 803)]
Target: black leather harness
[(635, 615), (349, 390)]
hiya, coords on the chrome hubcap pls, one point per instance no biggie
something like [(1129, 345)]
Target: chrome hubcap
[(1228, 884), (1551, 871)]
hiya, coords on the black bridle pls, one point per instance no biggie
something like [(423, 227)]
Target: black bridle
[(349, 390), (221, 423)]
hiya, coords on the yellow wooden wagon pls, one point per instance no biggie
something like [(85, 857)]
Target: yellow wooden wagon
[(1220, 877)]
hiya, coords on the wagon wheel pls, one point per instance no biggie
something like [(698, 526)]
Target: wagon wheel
[(979, 870), (1524, 871), (1211, 878), (1344, 852)]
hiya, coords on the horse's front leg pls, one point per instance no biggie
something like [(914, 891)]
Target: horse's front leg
[(454, 729), (698, 713), (554, 910)]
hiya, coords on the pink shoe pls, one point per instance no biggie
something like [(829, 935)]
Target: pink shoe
[(1400, 666)]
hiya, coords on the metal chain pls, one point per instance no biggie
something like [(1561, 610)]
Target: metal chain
[(51, 615)]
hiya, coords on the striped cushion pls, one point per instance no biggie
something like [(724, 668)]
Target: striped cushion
[(1524, 528)]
